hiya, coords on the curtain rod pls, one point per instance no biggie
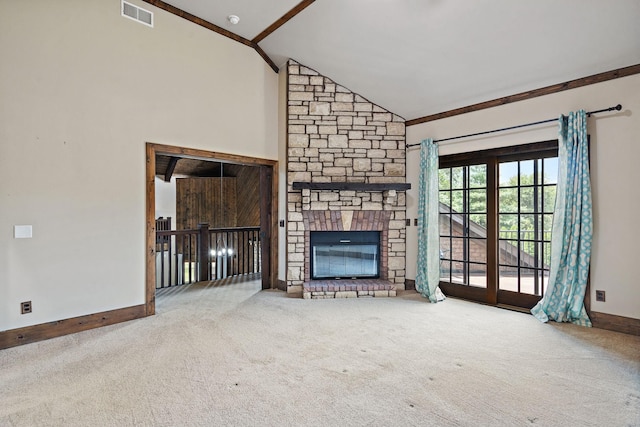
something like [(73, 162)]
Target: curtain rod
[(617, 107)]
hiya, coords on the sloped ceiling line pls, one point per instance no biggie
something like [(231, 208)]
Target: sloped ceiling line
[(199, 21), (251, 43), (409, 105)]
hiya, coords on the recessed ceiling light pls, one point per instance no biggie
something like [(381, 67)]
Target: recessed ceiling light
[(233, 19)]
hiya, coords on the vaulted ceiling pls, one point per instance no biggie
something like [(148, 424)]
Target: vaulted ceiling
[(421, 57)]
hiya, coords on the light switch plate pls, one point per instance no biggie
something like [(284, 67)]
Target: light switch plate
[(22, 231)]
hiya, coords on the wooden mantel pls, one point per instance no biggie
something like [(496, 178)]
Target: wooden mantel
[(351, 186)]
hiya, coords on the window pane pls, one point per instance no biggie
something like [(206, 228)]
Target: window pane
[(546, 256), (445, 198), (529, 283), (526, 172), (479, 226), (527, 254), (457, 272), (508, 173), (551, 170), (457, 252), (445, 178), (508, 280), (526, 226), (478, 275), (445, 225), (477, 200), (526, 200), (478, 250), (549, 194), (456, 178), (539, 260), (477, 176), (508, 254), (445, 249), (547, 225), (445, 271), (508, 200), (508, 226), (456, 200)]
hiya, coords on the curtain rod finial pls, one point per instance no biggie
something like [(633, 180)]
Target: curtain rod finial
[(618, 107)]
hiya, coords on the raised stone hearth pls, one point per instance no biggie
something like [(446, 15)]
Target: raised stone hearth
[(337, 138), (323, 289)]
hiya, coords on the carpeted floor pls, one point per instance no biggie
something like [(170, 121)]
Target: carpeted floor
[(228, 354)]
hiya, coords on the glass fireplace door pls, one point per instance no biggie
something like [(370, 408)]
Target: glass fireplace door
[(345, 255)]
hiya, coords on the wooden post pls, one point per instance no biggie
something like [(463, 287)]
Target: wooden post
[(265, 225), (204, 253)]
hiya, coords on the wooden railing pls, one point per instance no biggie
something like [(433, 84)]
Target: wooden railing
[(202, 254)]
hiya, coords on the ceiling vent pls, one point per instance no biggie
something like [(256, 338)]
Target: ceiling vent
[(136, 13)]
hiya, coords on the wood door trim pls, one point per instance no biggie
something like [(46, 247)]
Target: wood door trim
[(151, 150), (150, 213), (266, 224)]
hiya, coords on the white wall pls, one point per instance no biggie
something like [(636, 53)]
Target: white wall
[(81, 91), (615, 154), (166, 199)]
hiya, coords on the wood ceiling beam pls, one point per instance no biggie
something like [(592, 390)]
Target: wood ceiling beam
[(572, 84), (283, 20), (199, 21), (266, 58), (173, 161)]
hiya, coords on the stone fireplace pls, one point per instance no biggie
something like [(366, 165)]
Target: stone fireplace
[(345, 172)]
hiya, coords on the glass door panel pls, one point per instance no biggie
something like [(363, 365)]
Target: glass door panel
[(526, 195), (463, 222)]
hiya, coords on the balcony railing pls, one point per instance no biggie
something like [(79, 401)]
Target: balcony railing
[(530, 247), (203, 254)]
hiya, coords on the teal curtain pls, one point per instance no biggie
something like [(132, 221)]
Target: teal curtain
[(428, 268), (572, 228)]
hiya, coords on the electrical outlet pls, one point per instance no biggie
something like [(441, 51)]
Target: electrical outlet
[(407, 222), (25, 307), (415, 222), (600, 296)]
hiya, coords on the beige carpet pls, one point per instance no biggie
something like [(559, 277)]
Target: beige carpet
[(233, 355)]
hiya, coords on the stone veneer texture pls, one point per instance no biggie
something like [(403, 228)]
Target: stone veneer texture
[(335, 135)]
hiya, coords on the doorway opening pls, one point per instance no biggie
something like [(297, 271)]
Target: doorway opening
[(216, 192)]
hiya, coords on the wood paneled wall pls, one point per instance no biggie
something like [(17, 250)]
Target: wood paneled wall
[(210, 200), (221, 202), (248, 196)]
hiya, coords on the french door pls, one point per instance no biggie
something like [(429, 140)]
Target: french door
[(496, 210)]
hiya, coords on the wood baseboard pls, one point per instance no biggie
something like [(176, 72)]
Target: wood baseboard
[(611, 322), (44, 331)]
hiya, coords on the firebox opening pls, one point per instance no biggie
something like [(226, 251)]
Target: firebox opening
[(345, 254)]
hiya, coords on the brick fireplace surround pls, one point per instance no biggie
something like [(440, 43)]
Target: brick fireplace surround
[(336, 136)]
